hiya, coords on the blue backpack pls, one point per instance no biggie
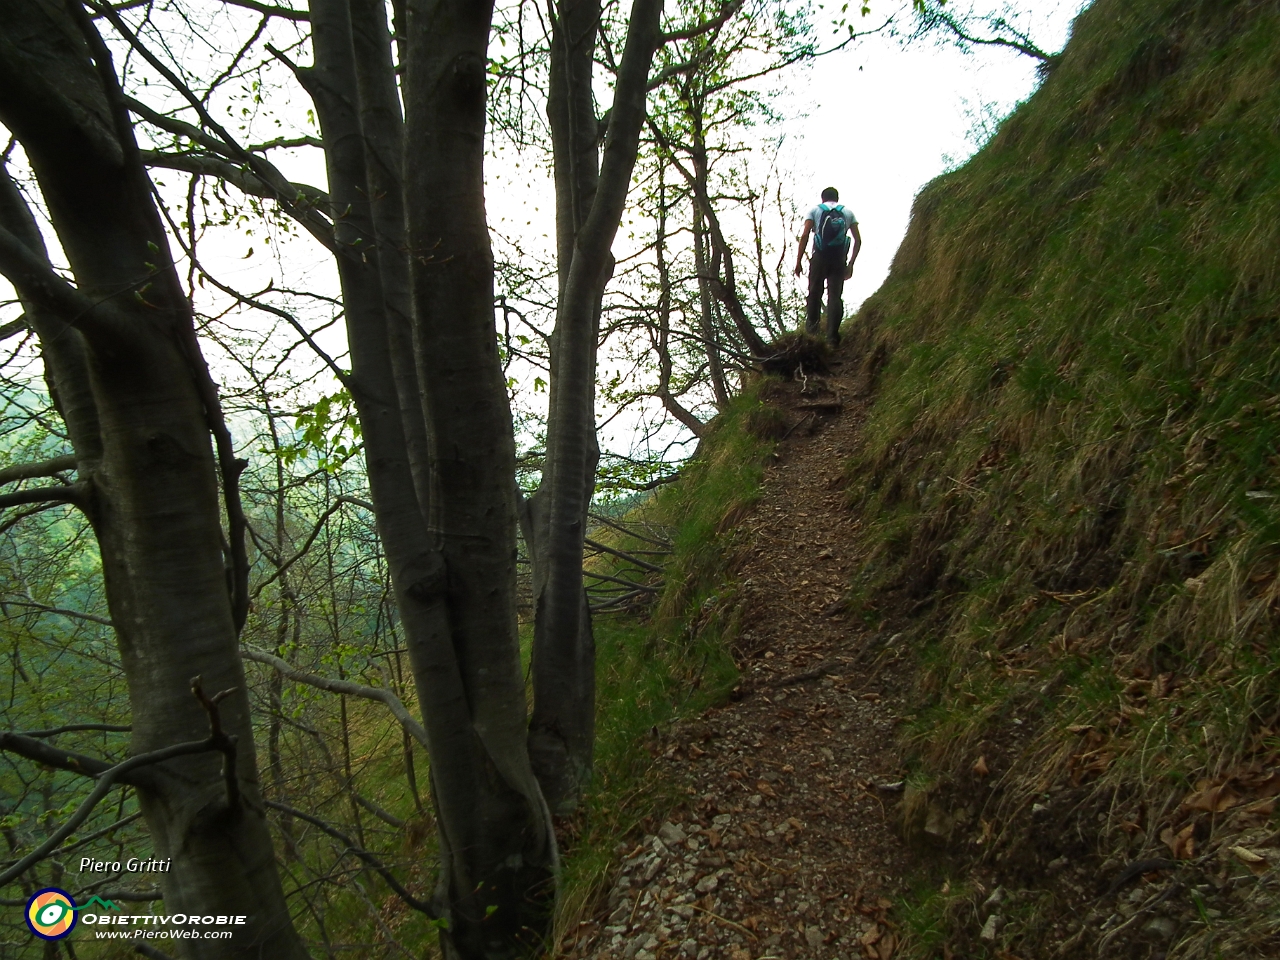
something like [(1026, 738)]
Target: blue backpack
[(832, 229)]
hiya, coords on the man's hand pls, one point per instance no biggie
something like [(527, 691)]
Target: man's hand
[(848, 272), (804, 242)]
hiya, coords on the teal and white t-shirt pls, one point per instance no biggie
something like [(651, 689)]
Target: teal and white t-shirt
[(814, 215)]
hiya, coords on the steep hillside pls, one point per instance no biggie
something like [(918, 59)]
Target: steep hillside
[(1069, 486)]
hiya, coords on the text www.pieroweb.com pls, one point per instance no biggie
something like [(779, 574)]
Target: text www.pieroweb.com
[(154, 927)]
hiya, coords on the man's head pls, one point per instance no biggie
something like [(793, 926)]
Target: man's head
[(830, 195)]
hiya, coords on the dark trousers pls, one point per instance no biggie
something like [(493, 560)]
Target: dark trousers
[(825, 270)]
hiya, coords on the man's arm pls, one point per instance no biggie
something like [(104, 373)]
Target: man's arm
[(804, 240), (853, 253)]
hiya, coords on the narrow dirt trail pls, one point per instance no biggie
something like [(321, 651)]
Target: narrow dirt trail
[(788, 845)]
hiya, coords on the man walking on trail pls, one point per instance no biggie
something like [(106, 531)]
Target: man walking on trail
[(830, 224)]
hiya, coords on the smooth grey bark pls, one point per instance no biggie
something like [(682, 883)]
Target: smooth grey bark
[(591, 193), (417, 280), (141, 410), (496, 834), (562, 726)]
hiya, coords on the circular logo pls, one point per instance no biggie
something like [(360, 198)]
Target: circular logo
[(51, 913)]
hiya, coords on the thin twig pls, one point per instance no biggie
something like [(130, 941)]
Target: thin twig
[(420, 905)]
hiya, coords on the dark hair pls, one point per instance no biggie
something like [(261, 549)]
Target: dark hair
[(829, 194)]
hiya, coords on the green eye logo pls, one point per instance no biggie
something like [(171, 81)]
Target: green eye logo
[(51, 913)]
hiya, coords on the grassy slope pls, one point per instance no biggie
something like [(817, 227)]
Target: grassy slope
[(1073, 460)]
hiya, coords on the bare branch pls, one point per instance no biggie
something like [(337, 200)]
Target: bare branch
[(631, 533), (26, 745), (223, 742), (630, 584), (420, 905), (284, 192), (284, 13), (642, 564), (72, 493), (381, 695), (77, 728), (281, 143), (14, 327), (72, 614), (932, 17), (129, 896), (698, 29), (678, 69), (44, 468), (315, 532), (238, 176), (618, 602), (384, 815)]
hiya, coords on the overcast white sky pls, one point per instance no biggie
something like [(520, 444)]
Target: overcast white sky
[(883, 121)]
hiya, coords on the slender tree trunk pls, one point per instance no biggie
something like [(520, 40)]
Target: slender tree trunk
[(495, 830), (707, 326), (589, 209), (425, 366), (562, 728), (725, 287), (152, 476), (663, 345)]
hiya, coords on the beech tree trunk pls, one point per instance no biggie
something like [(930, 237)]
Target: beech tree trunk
[(590, 195), (140, 407), (417, 280)]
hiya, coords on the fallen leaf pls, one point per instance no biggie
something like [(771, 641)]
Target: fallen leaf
[(1213, 798), (887, 945), (762, 787), (1181, 844), (980, 767), (1256, 862)]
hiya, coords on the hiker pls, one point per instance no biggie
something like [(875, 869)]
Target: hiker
[(830, 223)]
